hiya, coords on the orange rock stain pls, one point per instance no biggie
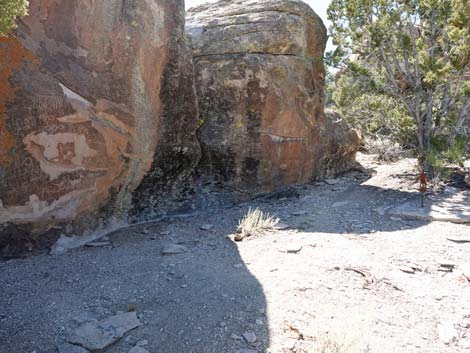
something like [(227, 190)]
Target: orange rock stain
[(12, 56)]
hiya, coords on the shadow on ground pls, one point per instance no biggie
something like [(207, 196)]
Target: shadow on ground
[(200, 301), (346, 207)]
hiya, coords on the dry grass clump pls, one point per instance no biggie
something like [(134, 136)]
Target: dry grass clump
[(331, 343), (255, 222)]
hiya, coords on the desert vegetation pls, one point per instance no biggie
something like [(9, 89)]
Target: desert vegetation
[(10, 11), (403, 72)]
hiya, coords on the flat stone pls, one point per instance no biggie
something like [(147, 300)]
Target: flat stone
[(207, 226), (173, 249), (396, 219), (341, 203), (244, 350), (445, 266), (71, 348), (332, 181), (293, 248), (142, 343), (282, 226), (407, 269), (236, 337), (100, 334), (250, 337), (98, 244), (459, 240), (138, 349)]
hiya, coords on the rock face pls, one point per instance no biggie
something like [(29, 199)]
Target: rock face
[(99, 120), (97, 113), (260, 82), (339, 144)]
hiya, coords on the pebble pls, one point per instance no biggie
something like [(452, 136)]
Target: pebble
[(98, 244), (138, 349), (282, 226), (98, 335), (173, 249), (407, 269), (236, 337), (71, 348), (207, 226), (332, 181), (246, 351), (465, 268), (250, 337), (341, 204), (293, 248)]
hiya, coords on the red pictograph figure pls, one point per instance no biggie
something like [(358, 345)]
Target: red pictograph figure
[(422, 186)]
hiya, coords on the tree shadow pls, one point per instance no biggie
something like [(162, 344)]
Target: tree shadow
[(351, 205), (199, 301), (347, 207)]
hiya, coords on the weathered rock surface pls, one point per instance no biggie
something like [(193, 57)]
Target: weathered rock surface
[(98, 115), (454, 208), (173, 249), (71, 348), (339, 144), (138, 350), (100, 334), (260, 82)]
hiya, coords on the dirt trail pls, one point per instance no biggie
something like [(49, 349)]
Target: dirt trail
[(344, 270)]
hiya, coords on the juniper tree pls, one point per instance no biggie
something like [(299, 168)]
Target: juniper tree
[(422, 48), (10, 10)]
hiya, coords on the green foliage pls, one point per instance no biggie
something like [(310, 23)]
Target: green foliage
[(10, 10), (360, 99), (444, 153), (417, 55)]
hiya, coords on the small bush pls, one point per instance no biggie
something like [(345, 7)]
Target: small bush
[(385, 149), (256, 222), (329, 343)]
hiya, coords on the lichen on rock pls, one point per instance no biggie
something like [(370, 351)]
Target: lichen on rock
[(260, 82)]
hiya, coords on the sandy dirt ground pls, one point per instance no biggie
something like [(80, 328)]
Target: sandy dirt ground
[(346, 276)]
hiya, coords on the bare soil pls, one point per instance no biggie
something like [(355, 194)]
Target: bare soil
[(345, 275)]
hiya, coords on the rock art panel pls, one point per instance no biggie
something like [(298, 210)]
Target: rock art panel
[(260, 82), (83, 118)]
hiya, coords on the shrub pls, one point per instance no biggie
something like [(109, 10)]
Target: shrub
[(255, 222), (10, 10)]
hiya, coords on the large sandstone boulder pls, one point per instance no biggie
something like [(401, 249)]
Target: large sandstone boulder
[(338, 144), (260, 82), (98, 115)]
